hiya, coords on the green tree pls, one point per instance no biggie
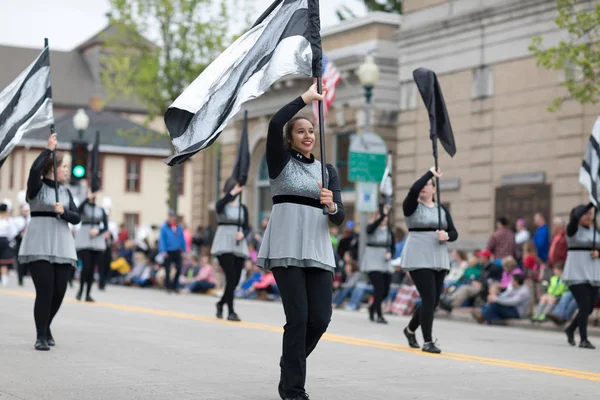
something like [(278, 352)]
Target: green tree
[(578, 56), (156, 48), (391, 6)]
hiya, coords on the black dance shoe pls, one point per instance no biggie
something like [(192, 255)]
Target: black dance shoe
[(412, 339), (302, 396), (585, 344), (281, 386), (371, 313), (50, 339), (233, 317), (78, 297), (89, 299), (381, 320), (42, 345), (431, 348), (219, 310), (570, 337)]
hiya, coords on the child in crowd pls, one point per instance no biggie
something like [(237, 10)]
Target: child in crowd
[(510, 304), (205, 279), (555, 290)]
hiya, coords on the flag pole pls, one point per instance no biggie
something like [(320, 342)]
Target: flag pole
[(52, 131), (594, 239), (322, 138), (437, 182)]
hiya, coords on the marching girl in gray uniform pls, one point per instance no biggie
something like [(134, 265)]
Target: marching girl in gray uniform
[(90, 242), (376, 261), (229, 245), (48, 246), (296, 245), (582, 270), (425, 254)]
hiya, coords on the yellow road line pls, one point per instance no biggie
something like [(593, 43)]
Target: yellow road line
[(586, 375)]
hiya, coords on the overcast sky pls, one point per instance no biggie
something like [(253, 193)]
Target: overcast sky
[(69, 22)]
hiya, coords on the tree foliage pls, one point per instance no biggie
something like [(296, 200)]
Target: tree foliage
[(578, 57), (156, 48)]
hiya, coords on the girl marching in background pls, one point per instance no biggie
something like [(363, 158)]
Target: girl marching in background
[(425, 254), (229, 244), (48, 246), (90, 242)]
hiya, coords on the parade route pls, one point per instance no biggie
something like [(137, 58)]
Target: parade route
[(145, 344)]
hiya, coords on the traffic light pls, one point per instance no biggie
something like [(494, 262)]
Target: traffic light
[(79, 161)]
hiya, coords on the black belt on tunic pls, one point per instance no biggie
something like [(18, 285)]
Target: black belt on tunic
[(302, 200), (580, 249), (43, 214), (378, 245), (229, 224), (422, 229), (90, 223)]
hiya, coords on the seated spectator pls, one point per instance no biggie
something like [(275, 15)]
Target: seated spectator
[(264, 287), (510, 304), (362, 288), (397, 280), (491, 273), (352, 277), (564, 310), (458, 267), (531, 261), (555, 290), (205, 280), (141, 274), (510, 268), (190, 270), (254, 274)]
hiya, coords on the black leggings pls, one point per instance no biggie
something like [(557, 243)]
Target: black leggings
[(381, 286), (306, 295), (232, 266), (50, 282), (89, 259), (104, 268), (585, 296), (430, 284)]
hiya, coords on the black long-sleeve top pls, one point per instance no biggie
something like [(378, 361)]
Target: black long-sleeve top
[(573, 224), (104, 219), (411, 202), (220, 207), (372, 227), (278, 157), (35, 183)]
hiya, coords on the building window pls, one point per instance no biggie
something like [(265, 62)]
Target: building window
[(483, 83), (342, 151), (264, 201), (133, 178), (132, 220), (408, 96)]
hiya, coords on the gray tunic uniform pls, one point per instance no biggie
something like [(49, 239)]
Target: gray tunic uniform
[(92, 217), (48, 238), (378, 244), (225, 241), (297, 235), (580, 267), (422, 248)]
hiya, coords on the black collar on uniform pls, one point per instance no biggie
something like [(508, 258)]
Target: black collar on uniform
[(49, 182), (302, 158)]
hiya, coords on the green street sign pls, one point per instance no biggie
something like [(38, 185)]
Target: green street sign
[(366, 167), (367, 158)]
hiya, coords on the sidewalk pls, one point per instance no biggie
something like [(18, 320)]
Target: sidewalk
[(464, 315)]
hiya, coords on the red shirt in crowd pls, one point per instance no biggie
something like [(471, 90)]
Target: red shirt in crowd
[(558, 249)]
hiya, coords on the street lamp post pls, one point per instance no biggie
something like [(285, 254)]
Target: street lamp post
[(81, 122), (368, 74)]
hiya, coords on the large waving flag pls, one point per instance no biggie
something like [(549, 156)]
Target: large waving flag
[(285, 40), (242, 161), (26, 104), (589, 173), (331, 78), (385, 187)]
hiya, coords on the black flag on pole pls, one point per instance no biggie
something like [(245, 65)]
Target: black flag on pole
[(95, 164), (26, 104), (242, 161), (285, 40), (431, 93)]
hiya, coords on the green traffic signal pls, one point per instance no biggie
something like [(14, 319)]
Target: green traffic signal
[(78, 171)]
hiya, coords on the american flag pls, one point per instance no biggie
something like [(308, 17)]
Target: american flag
[(331, 77)]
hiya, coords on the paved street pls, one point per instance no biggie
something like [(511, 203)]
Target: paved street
[(145, 344)]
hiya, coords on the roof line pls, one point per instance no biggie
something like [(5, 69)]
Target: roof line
[(104, 148), (376, 17)]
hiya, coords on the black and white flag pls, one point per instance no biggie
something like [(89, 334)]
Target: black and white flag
[(385, 187), (590, 167), (284, 41), (26, 104)]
